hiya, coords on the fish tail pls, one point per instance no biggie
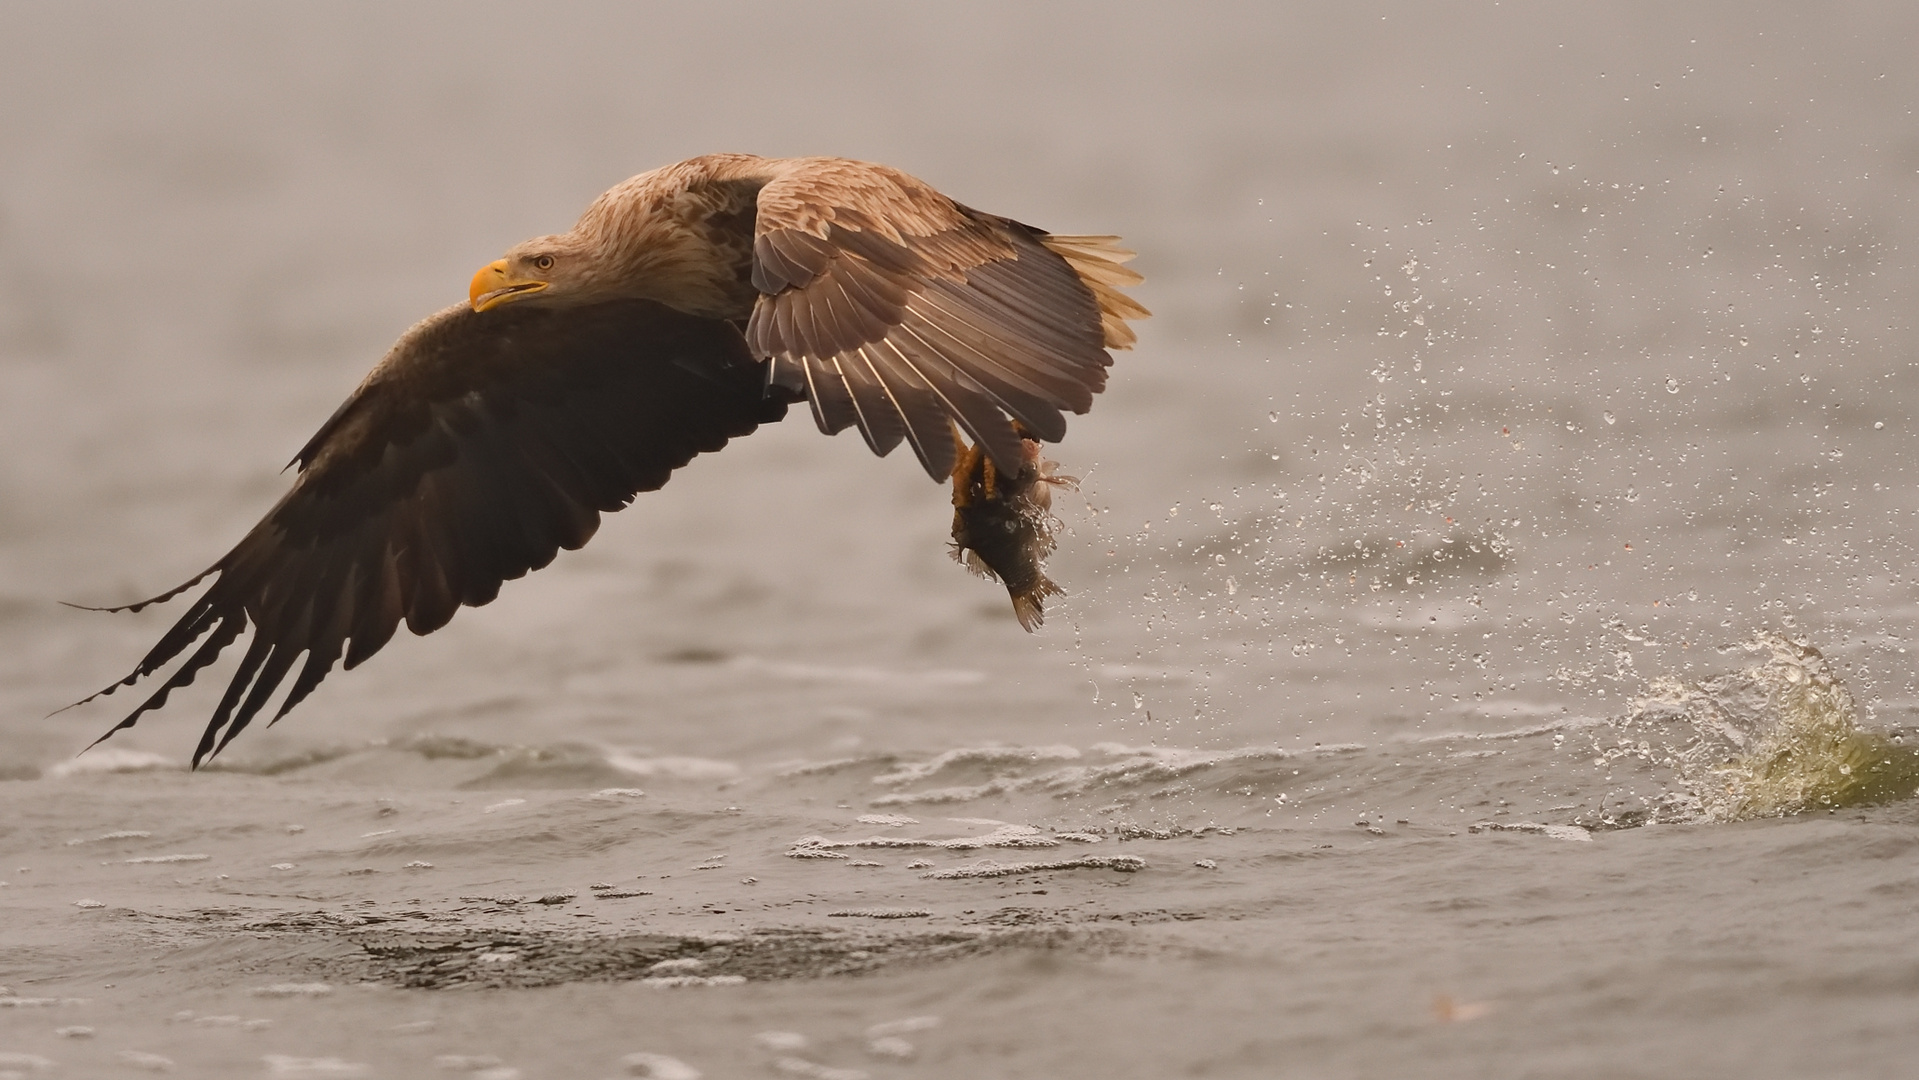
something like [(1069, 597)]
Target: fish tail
[(1029, 604)]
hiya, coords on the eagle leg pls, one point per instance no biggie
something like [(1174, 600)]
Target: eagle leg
[(965, 463)]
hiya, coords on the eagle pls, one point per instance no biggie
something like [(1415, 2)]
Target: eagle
[(686, 307)]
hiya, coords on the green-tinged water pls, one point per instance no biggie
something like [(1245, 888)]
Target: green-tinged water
[(1781, 736)]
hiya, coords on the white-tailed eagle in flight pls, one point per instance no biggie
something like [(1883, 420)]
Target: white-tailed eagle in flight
[(688, 306)]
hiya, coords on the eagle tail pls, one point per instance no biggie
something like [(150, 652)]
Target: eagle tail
[(1099, 262)]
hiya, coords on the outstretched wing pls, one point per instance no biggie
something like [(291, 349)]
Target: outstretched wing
[(479, 447), (896, 309)]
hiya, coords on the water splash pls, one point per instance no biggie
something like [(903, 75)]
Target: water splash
[(1778, 738)]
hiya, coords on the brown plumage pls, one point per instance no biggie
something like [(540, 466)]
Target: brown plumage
[(686, 307)]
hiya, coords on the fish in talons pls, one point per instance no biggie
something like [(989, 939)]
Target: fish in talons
[(1003, 526)]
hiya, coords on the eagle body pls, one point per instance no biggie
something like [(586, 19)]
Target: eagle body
[(687, 306)]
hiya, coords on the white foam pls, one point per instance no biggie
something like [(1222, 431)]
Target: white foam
[(113, 759), (673, 982), (1132, 765), (1556, 832), (903, 1027), (987, 868), (229, 1020), (936, 796), (1006, 836), (892, 1046), (781, 1040), (673, 768), (150, 1062), (465, 1062), (811, 852), (659, 1067), (290, 990), (168, 859), (300, 1068), (122, 834)]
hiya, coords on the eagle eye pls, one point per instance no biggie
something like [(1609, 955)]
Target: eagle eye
[(543, 262)]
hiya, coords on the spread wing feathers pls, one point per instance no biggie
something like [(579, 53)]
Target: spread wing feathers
[(901, 312), (1098, 262), (480, 446)]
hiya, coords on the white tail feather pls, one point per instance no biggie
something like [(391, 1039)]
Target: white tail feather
[(1097, 260)]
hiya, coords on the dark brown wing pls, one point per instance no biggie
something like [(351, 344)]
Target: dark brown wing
[(895, 309), (478, 448)]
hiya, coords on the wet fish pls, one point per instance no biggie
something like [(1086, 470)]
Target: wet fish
[(1003, 525)]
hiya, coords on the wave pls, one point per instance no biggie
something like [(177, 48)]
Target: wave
[(1780, 735)]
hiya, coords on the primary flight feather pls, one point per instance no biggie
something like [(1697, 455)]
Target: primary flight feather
[(687, 306)]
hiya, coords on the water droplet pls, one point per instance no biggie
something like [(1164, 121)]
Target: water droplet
[(1672, 385), (1232, 587), (1611, 419), (1139, 701), (1878, 424), (1273, 417)]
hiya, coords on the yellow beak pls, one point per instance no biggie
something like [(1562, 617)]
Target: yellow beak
[(493, 287)]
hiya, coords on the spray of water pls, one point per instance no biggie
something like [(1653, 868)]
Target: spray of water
[(1779, 737)]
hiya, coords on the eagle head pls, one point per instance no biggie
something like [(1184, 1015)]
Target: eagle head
[(555, 269)]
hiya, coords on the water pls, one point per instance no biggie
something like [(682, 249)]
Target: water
[(1484, 649)]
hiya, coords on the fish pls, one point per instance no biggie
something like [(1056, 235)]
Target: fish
[(1004, 526)]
